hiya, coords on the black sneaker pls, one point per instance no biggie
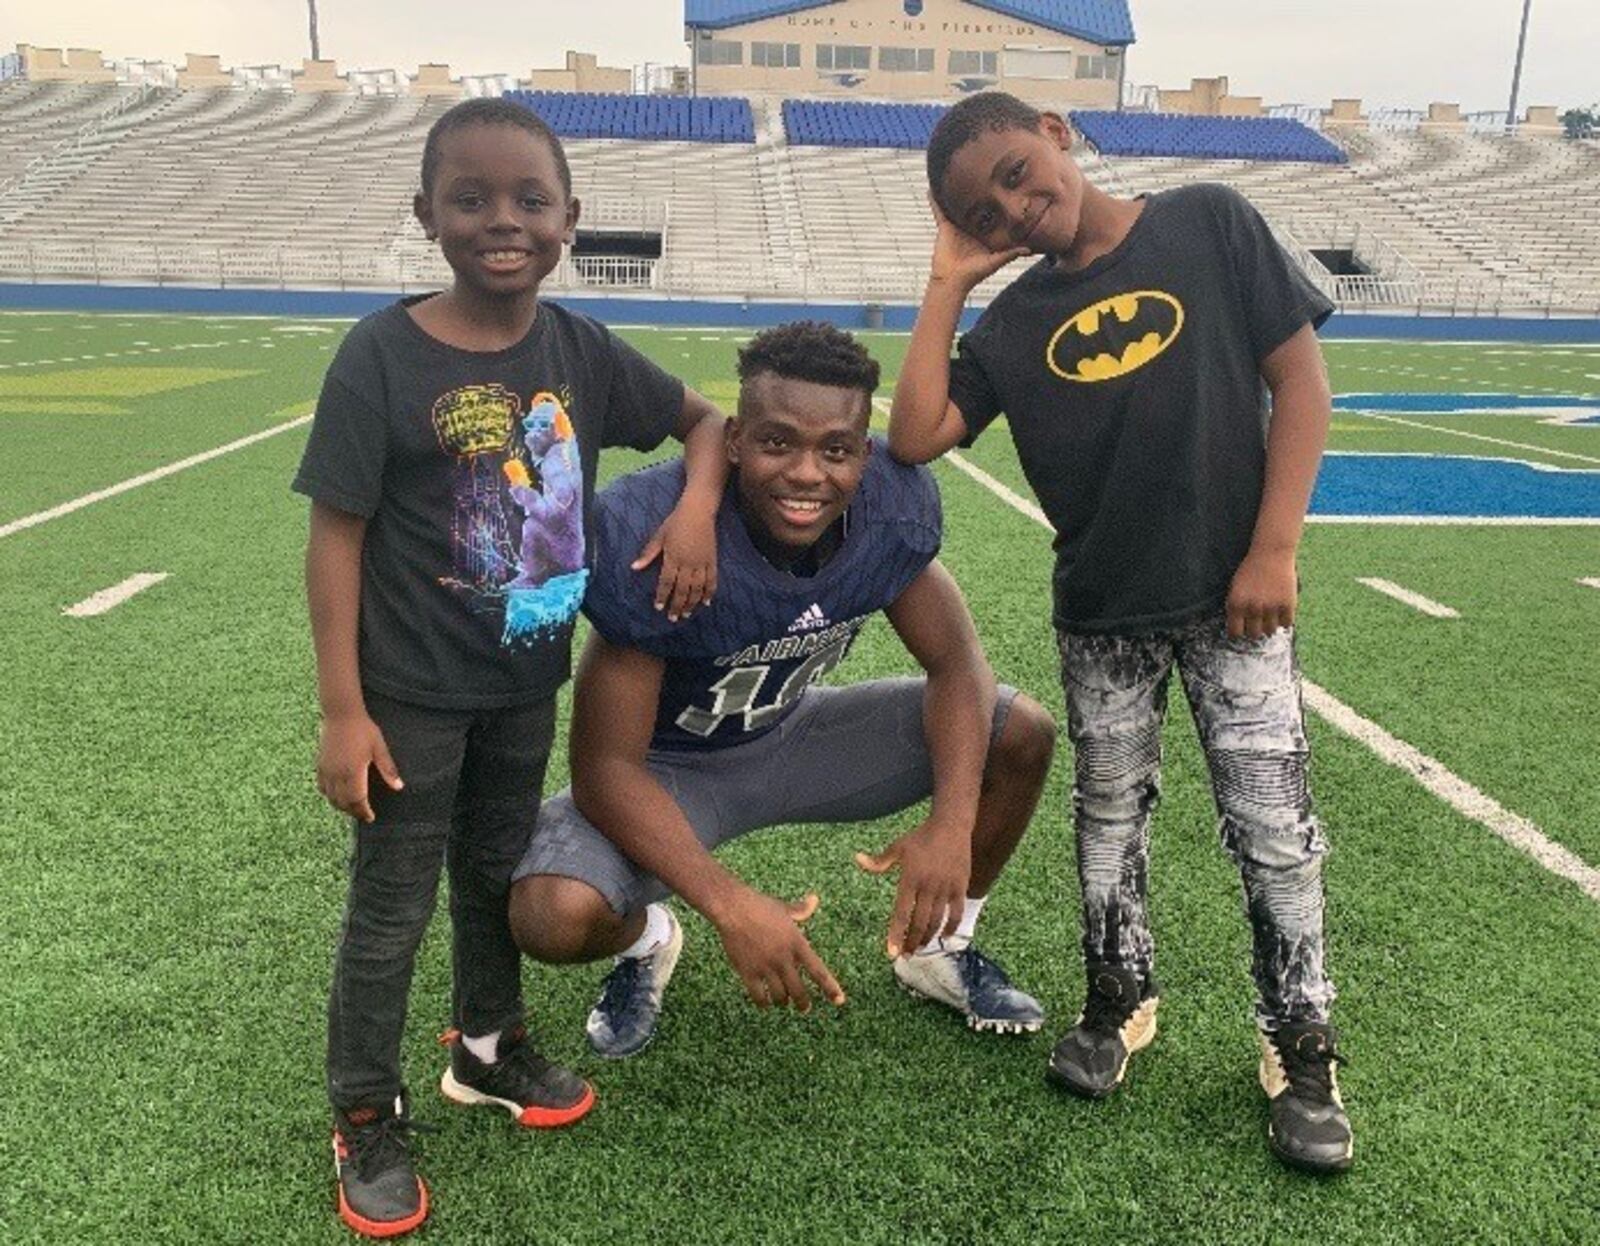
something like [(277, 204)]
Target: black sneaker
[(380, 1194), (623, 1020), (1309, 1129), (1118, 1019), (541, 1095), (968, 981)]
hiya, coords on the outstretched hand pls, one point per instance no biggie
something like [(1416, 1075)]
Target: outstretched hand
[(767, 949), (959, 258), (935, 864)]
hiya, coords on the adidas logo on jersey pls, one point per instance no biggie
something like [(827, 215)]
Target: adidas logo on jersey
[(810, 619)]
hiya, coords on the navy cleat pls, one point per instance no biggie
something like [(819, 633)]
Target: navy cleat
[(623, 1020), (1308, 1129), (974, 986), (1118, 1019)]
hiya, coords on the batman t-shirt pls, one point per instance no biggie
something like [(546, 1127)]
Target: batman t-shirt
[(1134, 395), (475, 472)]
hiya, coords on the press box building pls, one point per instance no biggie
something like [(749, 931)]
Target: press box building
[(1065, 53)]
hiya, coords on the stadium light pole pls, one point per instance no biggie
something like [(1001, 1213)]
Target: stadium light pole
[(1516, 72), (316, 51)]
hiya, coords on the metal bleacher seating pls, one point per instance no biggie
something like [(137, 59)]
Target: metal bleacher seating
[(751, 198)]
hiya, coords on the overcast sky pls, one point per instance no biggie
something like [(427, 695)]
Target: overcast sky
[(1396, 52)]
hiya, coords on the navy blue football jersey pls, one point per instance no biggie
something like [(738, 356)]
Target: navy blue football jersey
[(735, 669)]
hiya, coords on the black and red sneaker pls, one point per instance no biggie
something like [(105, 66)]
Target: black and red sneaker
[(539, 1094), (380, 1194)]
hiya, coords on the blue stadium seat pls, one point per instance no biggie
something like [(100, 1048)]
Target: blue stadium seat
[(1205, 138), (812, 123), (573, 114)]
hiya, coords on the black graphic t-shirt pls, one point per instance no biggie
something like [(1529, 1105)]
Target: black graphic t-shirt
[(1134, 395), (475, 473)]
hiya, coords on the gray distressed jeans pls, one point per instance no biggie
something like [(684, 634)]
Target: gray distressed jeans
[(1245, 695)]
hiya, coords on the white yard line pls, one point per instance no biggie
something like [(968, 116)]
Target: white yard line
[(1005, 494), (1455, 791), (160, 473), (109, 598), (1461, 432), (1589, 581), (1415, 600), (147, 350)]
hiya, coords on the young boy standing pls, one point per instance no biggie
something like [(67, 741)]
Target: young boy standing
[(451, 466), (1134, 363)]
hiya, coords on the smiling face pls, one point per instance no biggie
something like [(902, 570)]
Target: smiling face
[(498, 209), (1017, 188), (799, 449)]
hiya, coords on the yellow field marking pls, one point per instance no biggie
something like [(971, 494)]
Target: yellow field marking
[(44, 406)]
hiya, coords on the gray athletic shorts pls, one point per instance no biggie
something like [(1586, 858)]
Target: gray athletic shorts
[(843, 754)]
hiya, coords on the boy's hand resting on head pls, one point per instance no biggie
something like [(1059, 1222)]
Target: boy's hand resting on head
[(935, 862), (686, 543), (1263, 595), (350, 747), (959, 259), (763, 942)]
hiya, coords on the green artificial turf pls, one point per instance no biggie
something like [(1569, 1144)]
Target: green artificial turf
[(171, 885)]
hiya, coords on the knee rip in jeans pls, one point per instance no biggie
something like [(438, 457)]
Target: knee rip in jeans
[(1271, 847)]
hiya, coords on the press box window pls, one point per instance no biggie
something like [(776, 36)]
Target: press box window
[(1093, 67), (981, 64), (719, 52), (775, 55), (906, 60), (843, 56)]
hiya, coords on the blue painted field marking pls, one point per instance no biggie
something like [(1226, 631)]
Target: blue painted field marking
[(1448, 485)]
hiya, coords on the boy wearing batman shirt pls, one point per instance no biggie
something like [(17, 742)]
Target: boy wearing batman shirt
[(1134, 362)]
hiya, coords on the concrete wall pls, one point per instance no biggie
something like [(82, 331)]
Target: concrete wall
[(944, 26), (319, 77), (64, 65), (203, 71), (1209, 97), (583, 72)]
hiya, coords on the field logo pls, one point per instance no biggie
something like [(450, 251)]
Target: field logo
[(1116, 336)]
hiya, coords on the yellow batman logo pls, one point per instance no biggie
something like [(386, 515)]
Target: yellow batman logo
[(1116, 336)]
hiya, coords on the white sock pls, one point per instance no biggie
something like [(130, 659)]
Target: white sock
[(963, 934), (657, 930), (486, 1047)]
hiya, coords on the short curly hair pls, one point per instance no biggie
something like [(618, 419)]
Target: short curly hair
[(487, 110), (811, 350), (965, 121)]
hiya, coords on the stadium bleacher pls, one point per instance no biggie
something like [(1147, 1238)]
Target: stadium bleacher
[(750, 198), (1217, 138), (573, 114)]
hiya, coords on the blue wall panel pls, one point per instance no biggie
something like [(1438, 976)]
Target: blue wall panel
[(713, 312)]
